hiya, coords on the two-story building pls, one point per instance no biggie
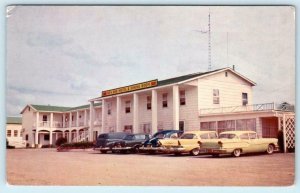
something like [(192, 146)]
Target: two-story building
[(44, 124), (218, 100)]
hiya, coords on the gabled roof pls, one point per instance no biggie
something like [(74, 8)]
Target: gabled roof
[(189, 77), (50, 108), (183, 78), (14, 120)]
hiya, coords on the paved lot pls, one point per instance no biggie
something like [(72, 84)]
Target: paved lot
[(48, 167)]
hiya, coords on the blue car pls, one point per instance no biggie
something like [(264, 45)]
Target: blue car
[(152, 145)]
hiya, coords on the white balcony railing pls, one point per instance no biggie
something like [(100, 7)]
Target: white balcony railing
[(247, 108)]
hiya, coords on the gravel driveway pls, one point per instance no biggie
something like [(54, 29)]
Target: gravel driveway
[(48, 167)]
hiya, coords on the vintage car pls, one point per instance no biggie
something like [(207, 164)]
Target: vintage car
[(106, 141), (130, 143), (239, 142), (187, 143), (152, 145)]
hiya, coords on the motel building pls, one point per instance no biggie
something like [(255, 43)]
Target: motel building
[(219, 100), (14, 132)]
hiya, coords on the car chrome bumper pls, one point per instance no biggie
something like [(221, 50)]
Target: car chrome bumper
[(102, 148), (150, 148), (215, 151), (121, 148)]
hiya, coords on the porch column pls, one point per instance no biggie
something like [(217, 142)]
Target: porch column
[(176, 107), (104, 112), (154, 111), (118, 112), (70, 119), (135, 113), (36, 137), (77, 118), (85, 117), (51, 120), (91, 120), (70, 136), (64, 120), (77, 135), (50, 137), (37, 120)]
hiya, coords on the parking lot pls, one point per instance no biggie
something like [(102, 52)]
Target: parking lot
[(48, 167)]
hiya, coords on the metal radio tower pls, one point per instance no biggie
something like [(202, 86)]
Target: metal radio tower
[(209, 43)]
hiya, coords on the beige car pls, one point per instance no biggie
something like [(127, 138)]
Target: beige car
[(187, 143), (239, 142)]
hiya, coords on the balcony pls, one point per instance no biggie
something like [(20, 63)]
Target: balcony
[(265, 107)]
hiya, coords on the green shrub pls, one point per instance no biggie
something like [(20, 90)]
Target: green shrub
[(61, 141), (77, 145)]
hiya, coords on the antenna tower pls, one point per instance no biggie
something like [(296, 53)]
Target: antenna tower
[(209, 43)]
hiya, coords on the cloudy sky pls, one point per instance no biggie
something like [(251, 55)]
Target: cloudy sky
[(65, 55)]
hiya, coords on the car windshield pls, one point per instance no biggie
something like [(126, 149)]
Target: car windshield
[(129, 137), (227, 136), (188, 136)]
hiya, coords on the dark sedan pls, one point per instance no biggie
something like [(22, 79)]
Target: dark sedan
[(106, 141), (130, 143), (152, 145)]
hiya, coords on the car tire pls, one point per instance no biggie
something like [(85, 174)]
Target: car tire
[(215, 155), (236, 153), (103, 151), (195, 152), (136, 149), (270, 149)]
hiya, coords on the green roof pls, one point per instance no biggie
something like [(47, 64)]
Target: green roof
[(14, 120), (49, 108), (183, 78)]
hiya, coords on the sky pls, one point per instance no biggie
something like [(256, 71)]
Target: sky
[(66, 55)]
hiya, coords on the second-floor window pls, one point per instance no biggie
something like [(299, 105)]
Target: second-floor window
[(15, 133), (182, 97), (148, 102), (245, 98), (127, 106), (44, 118), (8, 133), (165, 100), (216, 96)]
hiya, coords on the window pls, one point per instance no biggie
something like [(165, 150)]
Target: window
[(228, 125), (244, 136), (204, 136), (149, 102), (146, 128), (72, 117), (108, 108), (208, 126), (165, 100), (46, 137), (245, 98), (8, 133), (181, 125), (128, 128), (15, 133), (246, 124), (252, 136), (127, 106), (216, 98), (28, 108), (182, 97), (213, 136), (188, 136), (26, 137), (44, 118), (226, 74)]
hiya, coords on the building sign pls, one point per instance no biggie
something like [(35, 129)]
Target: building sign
[(130, 88)]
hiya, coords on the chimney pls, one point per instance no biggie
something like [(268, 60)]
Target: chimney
[(233, 67)]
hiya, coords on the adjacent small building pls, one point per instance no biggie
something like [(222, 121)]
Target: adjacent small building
[(218, 100), (14, 132)]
